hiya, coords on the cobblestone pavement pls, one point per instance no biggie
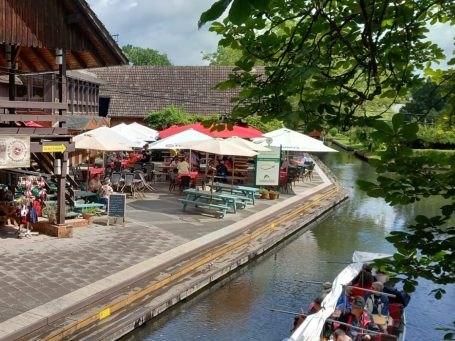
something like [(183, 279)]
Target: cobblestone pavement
[(39, 269)]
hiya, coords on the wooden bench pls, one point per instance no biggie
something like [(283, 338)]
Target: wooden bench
[(221, 208), (81, 206)]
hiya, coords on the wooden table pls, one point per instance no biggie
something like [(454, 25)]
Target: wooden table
[(248, 192), (222, 202)]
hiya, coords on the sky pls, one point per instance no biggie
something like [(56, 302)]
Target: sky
[(170, 27)]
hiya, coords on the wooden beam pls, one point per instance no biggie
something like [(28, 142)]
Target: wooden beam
[(33, 131), (24, 59), (36, 118), (78, 58), (41, 60), (32, 105)]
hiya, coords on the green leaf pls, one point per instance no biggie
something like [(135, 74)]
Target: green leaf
[(260, 4), (397, 121), (409, 131), (213, 12), (239, 12)]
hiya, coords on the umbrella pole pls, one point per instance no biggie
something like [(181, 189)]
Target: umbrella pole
[(88, 170), (233, 172), (191, 163)]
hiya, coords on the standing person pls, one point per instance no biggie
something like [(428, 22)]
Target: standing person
[(183, 166), (359, 318), (105, 191)]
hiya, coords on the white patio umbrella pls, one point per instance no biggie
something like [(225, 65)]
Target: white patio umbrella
[(177, 140), (291, 140), (220, 147), (93, 142), (108, 134), (132, 133), (152, 134), (248, 144)]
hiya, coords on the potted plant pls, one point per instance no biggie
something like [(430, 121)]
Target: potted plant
[(264, 193), (50, 211), (273, 195), (89, 213)]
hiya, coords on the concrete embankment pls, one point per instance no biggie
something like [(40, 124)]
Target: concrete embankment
[(115, 305)]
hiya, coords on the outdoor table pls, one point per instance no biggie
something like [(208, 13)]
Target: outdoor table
[(222, 202), (124, 164), (192, 175), (248, 192)]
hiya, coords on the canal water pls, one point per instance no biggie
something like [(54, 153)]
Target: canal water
[(239, 307)]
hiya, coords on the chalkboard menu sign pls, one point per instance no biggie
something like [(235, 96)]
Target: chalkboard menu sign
[(117, 206)]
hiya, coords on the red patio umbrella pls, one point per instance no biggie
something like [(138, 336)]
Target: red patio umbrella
[(243, 132), (32, 124)]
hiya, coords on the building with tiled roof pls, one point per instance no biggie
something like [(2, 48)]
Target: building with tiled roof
[(134, 91)]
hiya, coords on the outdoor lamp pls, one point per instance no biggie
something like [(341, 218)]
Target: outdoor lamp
[(58, 167), (59, 56)]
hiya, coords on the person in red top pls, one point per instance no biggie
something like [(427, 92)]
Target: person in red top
[(361, 323), (364, 280)]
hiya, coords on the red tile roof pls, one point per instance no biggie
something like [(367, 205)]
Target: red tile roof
[(135, 91)]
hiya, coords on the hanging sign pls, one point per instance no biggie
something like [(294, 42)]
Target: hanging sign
[(14, 151), (268, 167)]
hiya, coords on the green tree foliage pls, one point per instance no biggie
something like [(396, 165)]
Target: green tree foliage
[(141, 56), (263, 125), (167, 117), (326, 59), (173, 115), (425, 103), (223, 56)]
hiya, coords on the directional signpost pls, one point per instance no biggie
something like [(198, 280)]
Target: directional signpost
[(54, 148)]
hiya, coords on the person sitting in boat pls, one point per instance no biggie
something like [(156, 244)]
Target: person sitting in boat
[(364, 280), (377, 303), (361, 325), (344, 301), (340, 335), (326, 289)]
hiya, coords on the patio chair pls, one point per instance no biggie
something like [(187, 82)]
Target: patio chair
[(108, 172), (172, 179), (149, 168), (128, 183), (137, 166), (115, 180), (200, 181), (185, 182), (310, 171), (144, 184)]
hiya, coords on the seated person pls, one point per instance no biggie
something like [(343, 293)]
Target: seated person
[(105, 191), (95, 183), (344, 301), (364, 280), (112, 158), (222, 171), (183, 166), (227, 163), (358, 317), (377, 303)]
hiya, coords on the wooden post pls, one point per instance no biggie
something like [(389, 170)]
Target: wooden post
[(63, 157), (11, 56)]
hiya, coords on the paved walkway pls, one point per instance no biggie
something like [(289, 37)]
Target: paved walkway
[(37, 270)]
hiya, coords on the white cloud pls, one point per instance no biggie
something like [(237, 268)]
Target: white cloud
[(168, 26)]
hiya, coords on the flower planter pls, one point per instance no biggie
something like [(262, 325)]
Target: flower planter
[(89, 217), (273, 196), (264, 195)]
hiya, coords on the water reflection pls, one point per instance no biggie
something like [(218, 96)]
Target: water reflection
[(238, 308)]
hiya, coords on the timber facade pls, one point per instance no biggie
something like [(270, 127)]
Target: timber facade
[(40, 41)]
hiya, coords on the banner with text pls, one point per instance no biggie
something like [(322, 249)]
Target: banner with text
[(268, 167), (14, 151)]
